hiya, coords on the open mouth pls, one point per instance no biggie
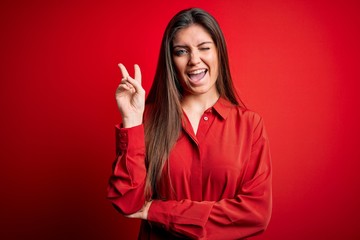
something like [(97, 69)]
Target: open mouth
[(197, 75)]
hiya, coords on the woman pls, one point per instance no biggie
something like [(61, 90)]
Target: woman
[(194, 163)]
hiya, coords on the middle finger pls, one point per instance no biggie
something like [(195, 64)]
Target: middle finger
[(123, 70)]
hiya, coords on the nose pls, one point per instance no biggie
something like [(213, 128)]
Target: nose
[(194, 58)]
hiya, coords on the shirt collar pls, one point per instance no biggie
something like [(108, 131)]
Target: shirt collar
[(223, 107)]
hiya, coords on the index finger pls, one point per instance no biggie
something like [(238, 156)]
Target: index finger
[(123, 70), (137, 73)]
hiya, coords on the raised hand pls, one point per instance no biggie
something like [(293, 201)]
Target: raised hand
[(130, 97)]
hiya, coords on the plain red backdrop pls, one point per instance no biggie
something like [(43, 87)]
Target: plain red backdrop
[(294, 62)]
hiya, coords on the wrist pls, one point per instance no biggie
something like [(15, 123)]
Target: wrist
[(128, 122)]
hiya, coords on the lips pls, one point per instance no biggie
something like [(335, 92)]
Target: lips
[(197, 75)]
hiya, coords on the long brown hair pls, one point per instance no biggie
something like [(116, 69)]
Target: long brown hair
[(164, 112)]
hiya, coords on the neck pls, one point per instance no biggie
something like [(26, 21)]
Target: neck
[(198, 103)]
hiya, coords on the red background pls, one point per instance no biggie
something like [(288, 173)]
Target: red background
[(294, 62)]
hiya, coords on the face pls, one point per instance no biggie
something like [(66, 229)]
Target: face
[(196, 60)]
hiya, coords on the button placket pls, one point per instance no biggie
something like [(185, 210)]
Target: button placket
[(205, 122)]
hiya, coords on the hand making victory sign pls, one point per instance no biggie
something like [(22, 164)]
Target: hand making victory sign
[(130, 97)]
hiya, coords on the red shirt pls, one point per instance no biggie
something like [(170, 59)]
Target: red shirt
[(220, 178)]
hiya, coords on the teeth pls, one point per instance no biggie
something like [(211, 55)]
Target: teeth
[(197, 71)]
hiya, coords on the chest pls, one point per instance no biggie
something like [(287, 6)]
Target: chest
[(208, 165)]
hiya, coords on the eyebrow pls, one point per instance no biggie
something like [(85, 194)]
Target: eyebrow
[(203, 43)]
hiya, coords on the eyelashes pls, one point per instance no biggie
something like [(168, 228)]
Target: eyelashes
[(182, 51)]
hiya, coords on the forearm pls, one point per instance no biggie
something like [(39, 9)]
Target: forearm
[(236, 218), (127, 181), (184, 217)]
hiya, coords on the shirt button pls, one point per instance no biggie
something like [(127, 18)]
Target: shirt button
[(206, 118)]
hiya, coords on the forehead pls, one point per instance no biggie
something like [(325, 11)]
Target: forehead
[(192, 35)]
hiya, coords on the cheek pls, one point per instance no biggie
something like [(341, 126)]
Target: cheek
[(180, 67), (211, 59), (179, 64), (214, 65), (179, 70)]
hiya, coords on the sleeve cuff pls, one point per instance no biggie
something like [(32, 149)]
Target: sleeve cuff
[(159, 214), (130, 138), (174, 214)]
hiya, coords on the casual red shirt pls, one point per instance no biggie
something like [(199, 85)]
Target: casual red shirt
[(220, 178)]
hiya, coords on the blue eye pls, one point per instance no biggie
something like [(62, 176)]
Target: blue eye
[(181, 52)]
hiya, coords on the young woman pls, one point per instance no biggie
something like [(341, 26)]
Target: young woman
[(192, 161)]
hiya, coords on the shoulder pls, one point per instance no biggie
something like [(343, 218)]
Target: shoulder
[(255, 123), (250, 115)]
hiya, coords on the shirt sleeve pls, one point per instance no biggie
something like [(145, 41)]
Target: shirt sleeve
[(245, 215), (127, 181)]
